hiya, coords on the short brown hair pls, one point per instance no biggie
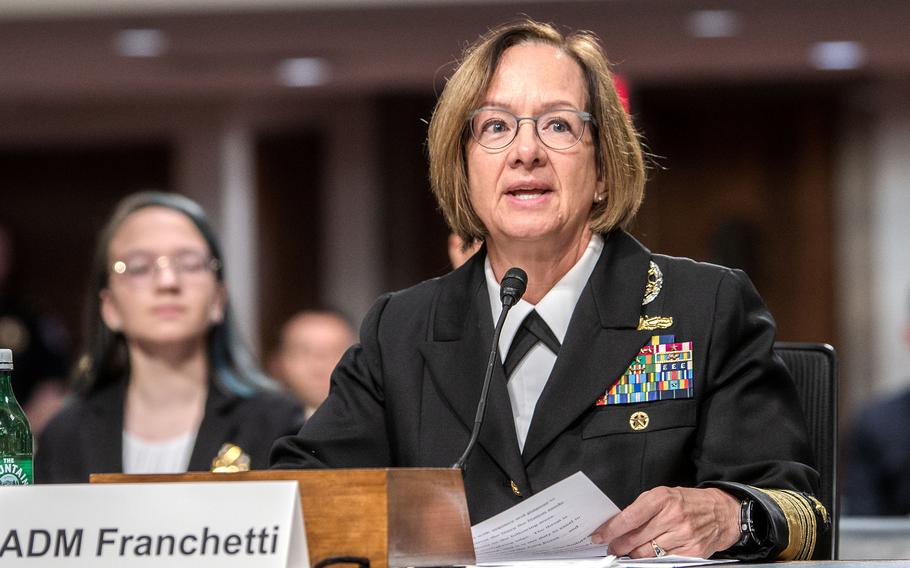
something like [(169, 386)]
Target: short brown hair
[(617, 148)]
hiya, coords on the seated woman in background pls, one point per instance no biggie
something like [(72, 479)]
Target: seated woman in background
[(164, 385)]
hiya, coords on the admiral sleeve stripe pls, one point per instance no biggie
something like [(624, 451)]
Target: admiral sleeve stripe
[(801, 522)]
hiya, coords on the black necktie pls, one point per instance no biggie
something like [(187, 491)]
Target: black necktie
[(532, 330)]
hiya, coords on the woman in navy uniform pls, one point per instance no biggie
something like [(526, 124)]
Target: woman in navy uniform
[(653, 375)]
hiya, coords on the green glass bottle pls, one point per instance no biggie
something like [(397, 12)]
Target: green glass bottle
[(15, 431)]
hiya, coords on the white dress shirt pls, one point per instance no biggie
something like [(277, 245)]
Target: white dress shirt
[(556, 307)]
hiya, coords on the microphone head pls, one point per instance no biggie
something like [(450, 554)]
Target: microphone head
[(513, 286)]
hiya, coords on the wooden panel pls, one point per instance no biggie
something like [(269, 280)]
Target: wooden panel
[(745, 180), (414, 232), (347, 512), (289, 183)]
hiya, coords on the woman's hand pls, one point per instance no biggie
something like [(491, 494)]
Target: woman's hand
[(680, 520)]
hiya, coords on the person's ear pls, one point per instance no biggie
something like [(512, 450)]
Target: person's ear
[(600, 190), (110, 313)]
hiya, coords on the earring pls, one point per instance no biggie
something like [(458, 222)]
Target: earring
[(598, 197)]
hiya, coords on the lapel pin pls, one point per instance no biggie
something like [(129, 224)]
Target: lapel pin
[(230, 459)]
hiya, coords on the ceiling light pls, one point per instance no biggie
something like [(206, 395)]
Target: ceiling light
[(303, 72), (714, 23), (837, 55), (140, 43)]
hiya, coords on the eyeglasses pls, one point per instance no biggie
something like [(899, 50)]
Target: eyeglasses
[(559, 129), (140, 269)]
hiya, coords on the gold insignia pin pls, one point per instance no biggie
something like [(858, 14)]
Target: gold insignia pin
[(230, 459), (515, 489), (655, 283), (651, 323), (639, 421)]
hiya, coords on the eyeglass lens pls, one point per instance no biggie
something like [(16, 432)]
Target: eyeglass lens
[(143, 266), (496, 128)]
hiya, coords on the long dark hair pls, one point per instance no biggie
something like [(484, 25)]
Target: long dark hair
[(105, 358)]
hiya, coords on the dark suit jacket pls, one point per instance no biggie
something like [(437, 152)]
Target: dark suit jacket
[(86, 436), (878, 466), (408, 394)]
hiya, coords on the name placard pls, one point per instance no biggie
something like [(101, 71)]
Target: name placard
[(222, 524)]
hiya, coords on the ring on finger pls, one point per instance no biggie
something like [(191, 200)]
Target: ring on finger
[(659, 552)]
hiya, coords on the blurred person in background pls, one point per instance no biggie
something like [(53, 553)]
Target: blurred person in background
[(878, 455), (653, 375), (164, 384), (312, 342), (39, 345), (458, 252)]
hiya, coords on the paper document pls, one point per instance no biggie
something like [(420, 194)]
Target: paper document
[(605, 562), (553, 524), (611, 562), (670, 561)]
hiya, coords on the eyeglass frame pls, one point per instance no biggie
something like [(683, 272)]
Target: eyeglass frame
[(159, 263), (585, 117)]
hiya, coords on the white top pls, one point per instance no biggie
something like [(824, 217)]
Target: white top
[(556, 307), (169, 456)]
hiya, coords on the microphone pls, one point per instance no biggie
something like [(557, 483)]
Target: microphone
[(511, 289)]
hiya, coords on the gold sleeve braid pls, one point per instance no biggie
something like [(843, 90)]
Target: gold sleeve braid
[(800, 511)]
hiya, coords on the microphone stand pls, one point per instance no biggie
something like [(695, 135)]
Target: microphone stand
[(511, 289), (482, 405)]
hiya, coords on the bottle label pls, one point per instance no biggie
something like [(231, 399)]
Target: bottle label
[(16, 471)]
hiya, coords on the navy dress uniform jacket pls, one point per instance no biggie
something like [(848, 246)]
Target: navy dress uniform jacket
[(407, 395)]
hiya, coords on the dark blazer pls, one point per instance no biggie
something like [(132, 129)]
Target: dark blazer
[(407, 395), (878, 464), (86, 436)]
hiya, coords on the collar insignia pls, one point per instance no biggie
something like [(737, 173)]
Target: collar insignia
[(655, 283)]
